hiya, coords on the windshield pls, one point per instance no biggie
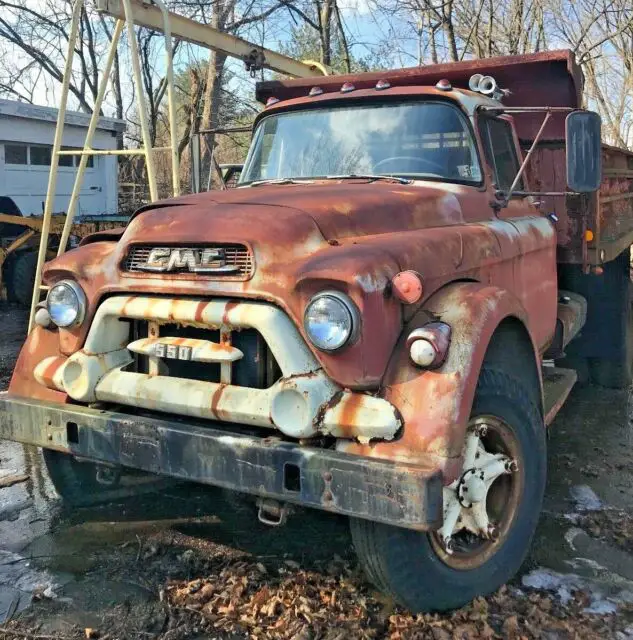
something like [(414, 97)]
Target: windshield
[(410, 140)]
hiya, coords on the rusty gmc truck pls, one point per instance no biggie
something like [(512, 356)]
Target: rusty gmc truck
[(381, 320)]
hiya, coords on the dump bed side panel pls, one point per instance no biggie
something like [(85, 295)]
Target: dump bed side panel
[(608, 215)]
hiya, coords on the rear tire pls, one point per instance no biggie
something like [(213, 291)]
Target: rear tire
[(410, 566), (21, 277), (604, 346), (617, 373)]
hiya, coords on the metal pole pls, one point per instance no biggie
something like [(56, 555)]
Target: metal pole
[(144, 14), (171, 98), (57, 143), (548, 115), (74, 198), (142, 106)]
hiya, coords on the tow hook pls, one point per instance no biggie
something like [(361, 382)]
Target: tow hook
[(272, 512)]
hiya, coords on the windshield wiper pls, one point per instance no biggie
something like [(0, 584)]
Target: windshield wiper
[(370, 176), (257, 183)]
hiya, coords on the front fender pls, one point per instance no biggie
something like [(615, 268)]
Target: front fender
[(435, 405)]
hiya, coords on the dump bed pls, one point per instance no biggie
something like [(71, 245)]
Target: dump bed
[(607, 215)]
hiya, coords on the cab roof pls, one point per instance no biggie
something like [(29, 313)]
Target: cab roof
[(549, 78)]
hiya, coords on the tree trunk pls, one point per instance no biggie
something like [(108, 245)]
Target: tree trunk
[(210, 111), (326, 32)]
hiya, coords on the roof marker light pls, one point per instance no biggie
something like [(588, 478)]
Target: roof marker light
[(444, 85), (382, 84), (315, 91), (271, 101), (347, 87)]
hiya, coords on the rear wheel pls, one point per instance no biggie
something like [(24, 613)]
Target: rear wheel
[(21, 277), (602, 352), (490, 512), (617, 372)]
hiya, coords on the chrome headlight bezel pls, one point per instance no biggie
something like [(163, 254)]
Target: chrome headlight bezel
[(351, 310), (80, 307)]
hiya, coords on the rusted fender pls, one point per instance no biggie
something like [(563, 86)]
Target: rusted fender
[(435, 405), (40, 344)]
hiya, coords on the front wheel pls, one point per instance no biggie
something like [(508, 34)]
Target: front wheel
[(490, 512), (79, 483), (82, 483)]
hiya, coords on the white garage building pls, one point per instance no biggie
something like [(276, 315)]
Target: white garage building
[(26, 139)]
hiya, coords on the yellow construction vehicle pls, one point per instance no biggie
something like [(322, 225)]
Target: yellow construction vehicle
[(19, 240)]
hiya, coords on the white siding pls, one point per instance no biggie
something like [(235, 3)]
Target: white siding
[(27, 184)]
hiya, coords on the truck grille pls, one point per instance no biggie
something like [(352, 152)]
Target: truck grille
[(235, 255), (258, 369)]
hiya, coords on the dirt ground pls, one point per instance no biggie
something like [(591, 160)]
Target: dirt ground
[(192, 562)]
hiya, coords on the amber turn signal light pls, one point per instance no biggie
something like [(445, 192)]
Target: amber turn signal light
[(407, 287)]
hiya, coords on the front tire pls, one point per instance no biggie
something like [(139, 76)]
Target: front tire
[(415, 568), (76, 482)]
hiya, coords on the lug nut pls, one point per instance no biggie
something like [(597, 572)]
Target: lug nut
[(481, 430), (493, 532), (512, 466)]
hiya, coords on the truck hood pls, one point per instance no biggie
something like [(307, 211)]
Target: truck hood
[(352, 237), (285, 214)]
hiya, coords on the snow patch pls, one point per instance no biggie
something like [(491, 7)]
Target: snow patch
[(570, 536), (604, 597), (585, 498)]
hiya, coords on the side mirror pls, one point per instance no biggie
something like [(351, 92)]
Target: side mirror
[(584, 151)]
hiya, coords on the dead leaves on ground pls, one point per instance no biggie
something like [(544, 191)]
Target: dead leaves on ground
[(613, 525), (336, 604)]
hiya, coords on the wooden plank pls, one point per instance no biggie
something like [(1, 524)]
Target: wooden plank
[(617, 173), (616, 198), (9, 481)]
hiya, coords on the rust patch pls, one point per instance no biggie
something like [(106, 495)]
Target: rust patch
[(215, 401), (125, 310), (230, 305), (199, 312), (51, 370), (349, 412), (326, 406)]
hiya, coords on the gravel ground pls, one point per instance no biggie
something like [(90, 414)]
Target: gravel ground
[(197, 564)]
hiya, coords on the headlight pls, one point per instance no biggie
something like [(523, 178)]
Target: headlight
[(66, 303), (330, 320)]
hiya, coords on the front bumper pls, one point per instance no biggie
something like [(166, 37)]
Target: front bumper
[(380, 490)]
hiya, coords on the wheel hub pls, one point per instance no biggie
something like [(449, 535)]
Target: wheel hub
[(465, 499)]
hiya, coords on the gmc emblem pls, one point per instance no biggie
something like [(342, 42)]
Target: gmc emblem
[(211, 260)]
